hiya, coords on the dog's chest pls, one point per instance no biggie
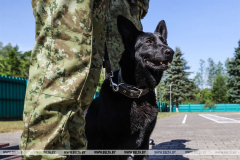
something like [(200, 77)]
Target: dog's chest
[(141, 116)]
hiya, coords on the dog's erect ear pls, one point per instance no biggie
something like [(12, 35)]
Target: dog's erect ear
[(126, 29), (162, 29)]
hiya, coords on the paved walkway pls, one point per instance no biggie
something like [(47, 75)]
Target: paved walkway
[(12, 138), (198, 132), (207, 131)]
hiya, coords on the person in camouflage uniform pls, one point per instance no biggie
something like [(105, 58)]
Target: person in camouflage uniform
[(65, 67)]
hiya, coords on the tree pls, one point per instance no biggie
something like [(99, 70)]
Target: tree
[(199, 79), (203, 95), (1, 47), (234, 77), (219, 69), (160, 91), (227, 63), (13, 63), (25, 64), (209, 104), (182, 87), (5, 49), (10, 65), (160, 88), (211, 72), (219, 90)]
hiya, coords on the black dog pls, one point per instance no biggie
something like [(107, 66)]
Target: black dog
[(117, 121)]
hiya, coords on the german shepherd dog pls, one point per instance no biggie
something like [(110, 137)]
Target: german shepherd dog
[(119, 122)]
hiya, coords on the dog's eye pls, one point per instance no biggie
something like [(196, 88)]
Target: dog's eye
[(149, 42)]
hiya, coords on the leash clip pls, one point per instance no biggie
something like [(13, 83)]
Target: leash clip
[(109, 75), (114, 86)]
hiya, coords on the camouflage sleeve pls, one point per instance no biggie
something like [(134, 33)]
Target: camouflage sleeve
[(143, 6)]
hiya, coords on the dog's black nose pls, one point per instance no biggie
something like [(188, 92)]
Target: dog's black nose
[(167, 52)]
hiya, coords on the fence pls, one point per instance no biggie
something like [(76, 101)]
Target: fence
[(163, 107), (199, 108), (12, 94)]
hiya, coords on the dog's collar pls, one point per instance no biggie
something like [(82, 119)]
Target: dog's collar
[(122, 87), (129, 90)]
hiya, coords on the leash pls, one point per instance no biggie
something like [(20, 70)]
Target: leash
[(128, 90), (109, 75)]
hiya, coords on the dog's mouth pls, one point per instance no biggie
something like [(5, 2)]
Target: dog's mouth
[(156, 64)]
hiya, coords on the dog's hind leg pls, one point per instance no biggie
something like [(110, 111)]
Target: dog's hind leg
[(144, 146), (130, 158), (126, 157), (141, 157)]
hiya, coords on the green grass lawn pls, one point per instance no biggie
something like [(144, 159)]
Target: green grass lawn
[(165, 114), (11, 126)]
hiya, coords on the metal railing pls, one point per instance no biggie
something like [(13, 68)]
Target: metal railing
[(12, 94), (228, 107)]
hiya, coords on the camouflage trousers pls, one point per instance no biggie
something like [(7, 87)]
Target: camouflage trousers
[(65, 67)]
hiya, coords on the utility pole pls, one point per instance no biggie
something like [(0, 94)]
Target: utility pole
[(171, 96), (156, 97), (160, 98), (156, 94)]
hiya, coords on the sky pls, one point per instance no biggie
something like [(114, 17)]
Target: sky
[(201, 28)]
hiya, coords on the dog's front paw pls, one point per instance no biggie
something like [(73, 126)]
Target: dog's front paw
[(130, 158)]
